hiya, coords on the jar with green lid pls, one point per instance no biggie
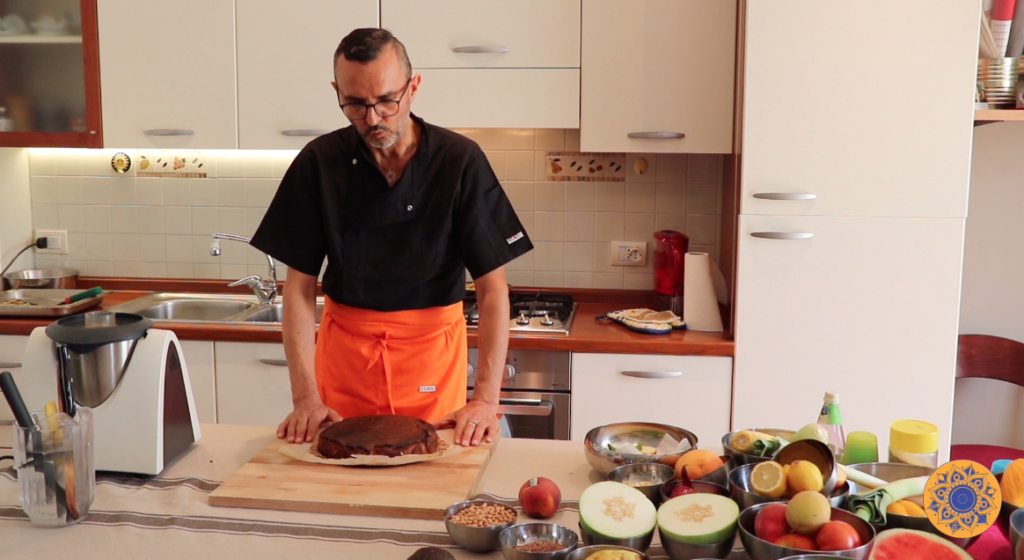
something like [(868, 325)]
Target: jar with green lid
[(914, 442)]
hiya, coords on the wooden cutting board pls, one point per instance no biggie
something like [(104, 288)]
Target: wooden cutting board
[(271, 480)]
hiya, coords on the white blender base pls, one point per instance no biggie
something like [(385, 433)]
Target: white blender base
[(147, 421)]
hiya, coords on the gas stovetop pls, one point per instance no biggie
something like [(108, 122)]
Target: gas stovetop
[(532, 312)]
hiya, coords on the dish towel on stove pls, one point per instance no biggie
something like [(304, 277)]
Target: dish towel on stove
[(646, 321)]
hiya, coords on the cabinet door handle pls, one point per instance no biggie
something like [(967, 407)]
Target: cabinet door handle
[(525, 407), (785, 196), (304, 132), (280, 362), (9, 365), (782, 234), (656, 135), (480, 49), (168, 132), (652, 374)]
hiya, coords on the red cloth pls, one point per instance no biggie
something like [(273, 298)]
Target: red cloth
[(993, 544)]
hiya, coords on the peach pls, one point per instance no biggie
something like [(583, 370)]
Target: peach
[(540, 497), (697, 462), (797, 541), (770, 523)]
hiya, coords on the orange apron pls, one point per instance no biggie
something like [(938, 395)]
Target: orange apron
[(396, 362)]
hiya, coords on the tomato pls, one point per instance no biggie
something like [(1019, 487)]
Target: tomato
[(837, 535)]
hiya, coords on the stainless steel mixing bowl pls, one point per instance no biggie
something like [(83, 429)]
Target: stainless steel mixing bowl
[(603, 460)]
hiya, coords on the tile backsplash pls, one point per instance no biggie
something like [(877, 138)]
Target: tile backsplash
[(135, 225)]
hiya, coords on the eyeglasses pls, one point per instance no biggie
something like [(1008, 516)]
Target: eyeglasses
[(384, 108)]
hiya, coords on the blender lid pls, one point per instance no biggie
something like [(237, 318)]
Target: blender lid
[(74, 332)]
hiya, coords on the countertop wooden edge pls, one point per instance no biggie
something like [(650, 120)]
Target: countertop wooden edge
[(587, 334)]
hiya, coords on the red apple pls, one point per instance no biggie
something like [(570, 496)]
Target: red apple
[(540, 498), (770, 523), (797, 541)]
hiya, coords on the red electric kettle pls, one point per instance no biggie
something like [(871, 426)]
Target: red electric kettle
[(669, 251)]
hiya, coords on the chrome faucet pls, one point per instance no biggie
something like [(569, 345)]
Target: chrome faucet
[(264, 288)]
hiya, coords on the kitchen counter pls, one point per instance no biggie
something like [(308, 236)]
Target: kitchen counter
[(169, 518), (587, 333)]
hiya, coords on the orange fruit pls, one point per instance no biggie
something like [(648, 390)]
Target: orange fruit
[(768, 479), (697, 462)]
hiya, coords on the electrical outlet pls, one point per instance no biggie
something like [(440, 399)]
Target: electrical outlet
[(56, 241), (629, 253)]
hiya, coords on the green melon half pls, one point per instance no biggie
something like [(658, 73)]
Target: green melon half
[(908, 544), (614, 510), (699, 518)]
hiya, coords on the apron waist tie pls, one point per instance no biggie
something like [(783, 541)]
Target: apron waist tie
[(385, 358)]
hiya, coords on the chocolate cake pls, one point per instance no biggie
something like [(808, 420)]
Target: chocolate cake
[(383, 434)]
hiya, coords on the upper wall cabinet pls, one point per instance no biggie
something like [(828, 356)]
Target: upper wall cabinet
[(492, 64), (168, 73), (49, 74), (285, 71), (658, 75), (831, 114)]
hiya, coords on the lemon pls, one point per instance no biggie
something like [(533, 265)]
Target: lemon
[(804, 476), (768, 479)]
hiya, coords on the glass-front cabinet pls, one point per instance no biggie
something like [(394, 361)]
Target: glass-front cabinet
[(49, 74)]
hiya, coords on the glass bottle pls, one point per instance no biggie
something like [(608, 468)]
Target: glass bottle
[(832, 421)]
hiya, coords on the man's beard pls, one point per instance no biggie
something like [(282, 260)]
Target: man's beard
[(390, 136)]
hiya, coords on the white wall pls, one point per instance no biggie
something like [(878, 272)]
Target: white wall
[(992, 300), (15, 208)]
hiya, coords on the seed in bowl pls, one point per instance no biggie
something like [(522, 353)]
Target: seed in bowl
[(541, 546), (484, 515)]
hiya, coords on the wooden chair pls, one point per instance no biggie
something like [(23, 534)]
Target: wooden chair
[(990, 357)]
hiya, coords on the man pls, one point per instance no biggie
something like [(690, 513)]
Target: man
[(400, 209)]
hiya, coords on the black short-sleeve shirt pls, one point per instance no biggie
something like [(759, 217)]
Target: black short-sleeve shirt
[(389, 249)]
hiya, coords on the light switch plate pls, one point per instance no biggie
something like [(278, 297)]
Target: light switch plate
[(628, 253), (61, 238)]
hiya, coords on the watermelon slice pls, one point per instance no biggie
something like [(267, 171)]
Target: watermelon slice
[(699, 519), (908, 544), (612, 509)]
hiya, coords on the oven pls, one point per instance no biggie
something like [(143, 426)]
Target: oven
[(534, 392)]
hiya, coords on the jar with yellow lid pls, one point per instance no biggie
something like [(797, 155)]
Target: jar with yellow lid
[(914, 442)]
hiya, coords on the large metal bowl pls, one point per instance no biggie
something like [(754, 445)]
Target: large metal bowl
[(740, 458), (760, 549), (1017, 534), (890, 472), (476, 539), (817, 453), (48, 278), (595, 445), (743, 493)]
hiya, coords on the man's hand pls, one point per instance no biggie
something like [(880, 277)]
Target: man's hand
[(302, 423), (474, 423)]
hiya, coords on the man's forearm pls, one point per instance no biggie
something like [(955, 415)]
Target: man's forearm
[(299, 332), (492, 340)]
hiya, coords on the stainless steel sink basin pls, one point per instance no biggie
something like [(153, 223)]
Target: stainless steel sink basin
[(208, 308)]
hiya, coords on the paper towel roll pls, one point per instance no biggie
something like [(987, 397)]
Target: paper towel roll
[(700, 303)]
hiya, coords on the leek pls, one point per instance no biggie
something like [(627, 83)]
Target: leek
[(767, 447), (862, 478), (871, 506)]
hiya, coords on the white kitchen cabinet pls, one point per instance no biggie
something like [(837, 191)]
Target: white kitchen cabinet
[(199, 360), (830, 107), (167, 74), (252, 383), (868, 307), (691, 392), (12, 348), (658, 66), (492, 64), (284, 68)]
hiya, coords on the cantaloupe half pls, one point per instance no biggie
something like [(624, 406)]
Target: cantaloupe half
[(614, 510), (699, 519)]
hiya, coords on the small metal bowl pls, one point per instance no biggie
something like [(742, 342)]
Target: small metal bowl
[(816, 452), (595, 445), (477, 539), (42, 278), (701, 486), (584, 552), (658, 472), (743, 493), (1017, 534), (677, 550), (720, 475), (760, 549), (641, 543), (740, 458), (528, 532), (890, 472)]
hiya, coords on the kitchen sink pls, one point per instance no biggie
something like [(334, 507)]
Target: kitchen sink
[(208, 308)]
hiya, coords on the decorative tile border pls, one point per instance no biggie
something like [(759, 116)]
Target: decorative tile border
[(190, 167), (585, 166)]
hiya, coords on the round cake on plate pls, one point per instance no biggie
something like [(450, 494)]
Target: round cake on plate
[(379, 434)]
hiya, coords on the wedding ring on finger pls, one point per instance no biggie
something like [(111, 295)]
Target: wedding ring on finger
[(473, 423)]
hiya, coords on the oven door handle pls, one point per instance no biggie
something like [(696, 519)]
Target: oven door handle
[(525, 407)]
